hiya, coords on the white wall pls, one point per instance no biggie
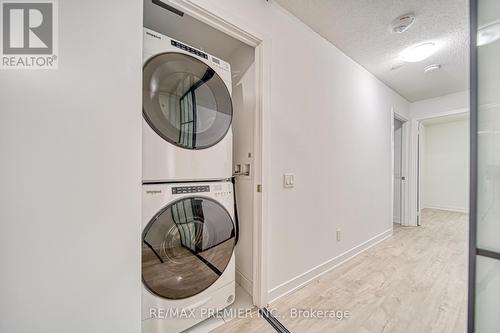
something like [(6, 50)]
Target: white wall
[(70, 178), (434, 106), (445, 166), (330, 124)]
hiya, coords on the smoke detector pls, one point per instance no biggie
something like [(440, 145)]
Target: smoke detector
[(402, 23)]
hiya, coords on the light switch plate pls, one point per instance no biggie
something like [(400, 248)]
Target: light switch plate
[(288, 180)]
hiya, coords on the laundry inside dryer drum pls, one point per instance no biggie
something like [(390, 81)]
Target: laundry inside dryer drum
[(185, 101), (186, 247)]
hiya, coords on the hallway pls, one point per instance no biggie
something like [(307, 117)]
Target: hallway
[(414, 281)]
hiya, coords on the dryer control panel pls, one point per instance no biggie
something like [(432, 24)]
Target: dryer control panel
[(188, 49)]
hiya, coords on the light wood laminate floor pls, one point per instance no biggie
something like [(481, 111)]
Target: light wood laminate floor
[(413, 282)]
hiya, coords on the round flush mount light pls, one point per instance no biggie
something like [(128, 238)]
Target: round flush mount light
[(488, 33), (432, 68), (402, 23), (418, 52)]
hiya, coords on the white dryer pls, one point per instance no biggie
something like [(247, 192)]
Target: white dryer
[(188, 265), (187, 112)]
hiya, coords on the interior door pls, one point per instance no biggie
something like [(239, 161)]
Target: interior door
[(185, 101), (420, 150), (186, 247), (484, 274), (398, 171)]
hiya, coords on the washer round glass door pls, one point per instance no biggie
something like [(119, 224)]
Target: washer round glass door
[(186, 247), (185, 101)]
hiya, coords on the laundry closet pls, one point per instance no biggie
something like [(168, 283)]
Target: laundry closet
[(199, 173)]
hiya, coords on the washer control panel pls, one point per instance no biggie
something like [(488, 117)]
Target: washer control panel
[(222, 190), (190, 189)]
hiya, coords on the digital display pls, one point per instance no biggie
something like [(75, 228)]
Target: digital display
[(189, 49), (190, 189)]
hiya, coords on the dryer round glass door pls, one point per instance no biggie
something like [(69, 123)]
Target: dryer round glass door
[(186, 247), (185, 101)]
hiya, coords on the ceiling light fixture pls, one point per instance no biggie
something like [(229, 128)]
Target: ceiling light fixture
[(488, 33), (418, 52), (402, 23), (432, 68)]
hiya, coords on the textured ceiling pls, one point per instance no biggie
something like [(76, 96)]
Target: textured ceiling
[(360, 28)]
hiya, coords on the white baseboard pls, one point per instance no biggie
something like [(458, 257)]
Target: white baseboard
[(451, 209), (396, 219), (304, 278), (245, 283)]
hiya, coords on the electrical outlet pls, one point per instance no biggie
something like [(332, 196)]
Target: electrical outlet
[(338, 235)]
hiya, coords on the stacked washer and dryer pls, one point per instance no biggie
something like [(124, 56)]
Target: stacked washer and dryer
[(188, 225)]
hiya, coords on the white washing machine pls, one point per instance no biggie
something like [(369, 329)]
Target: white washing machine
[(188, 265), (187, 112)]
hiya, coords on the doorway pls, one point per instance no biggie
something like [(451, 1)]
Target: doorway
[(397, 174), (399, 169), (247, 56), (441, 163)]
